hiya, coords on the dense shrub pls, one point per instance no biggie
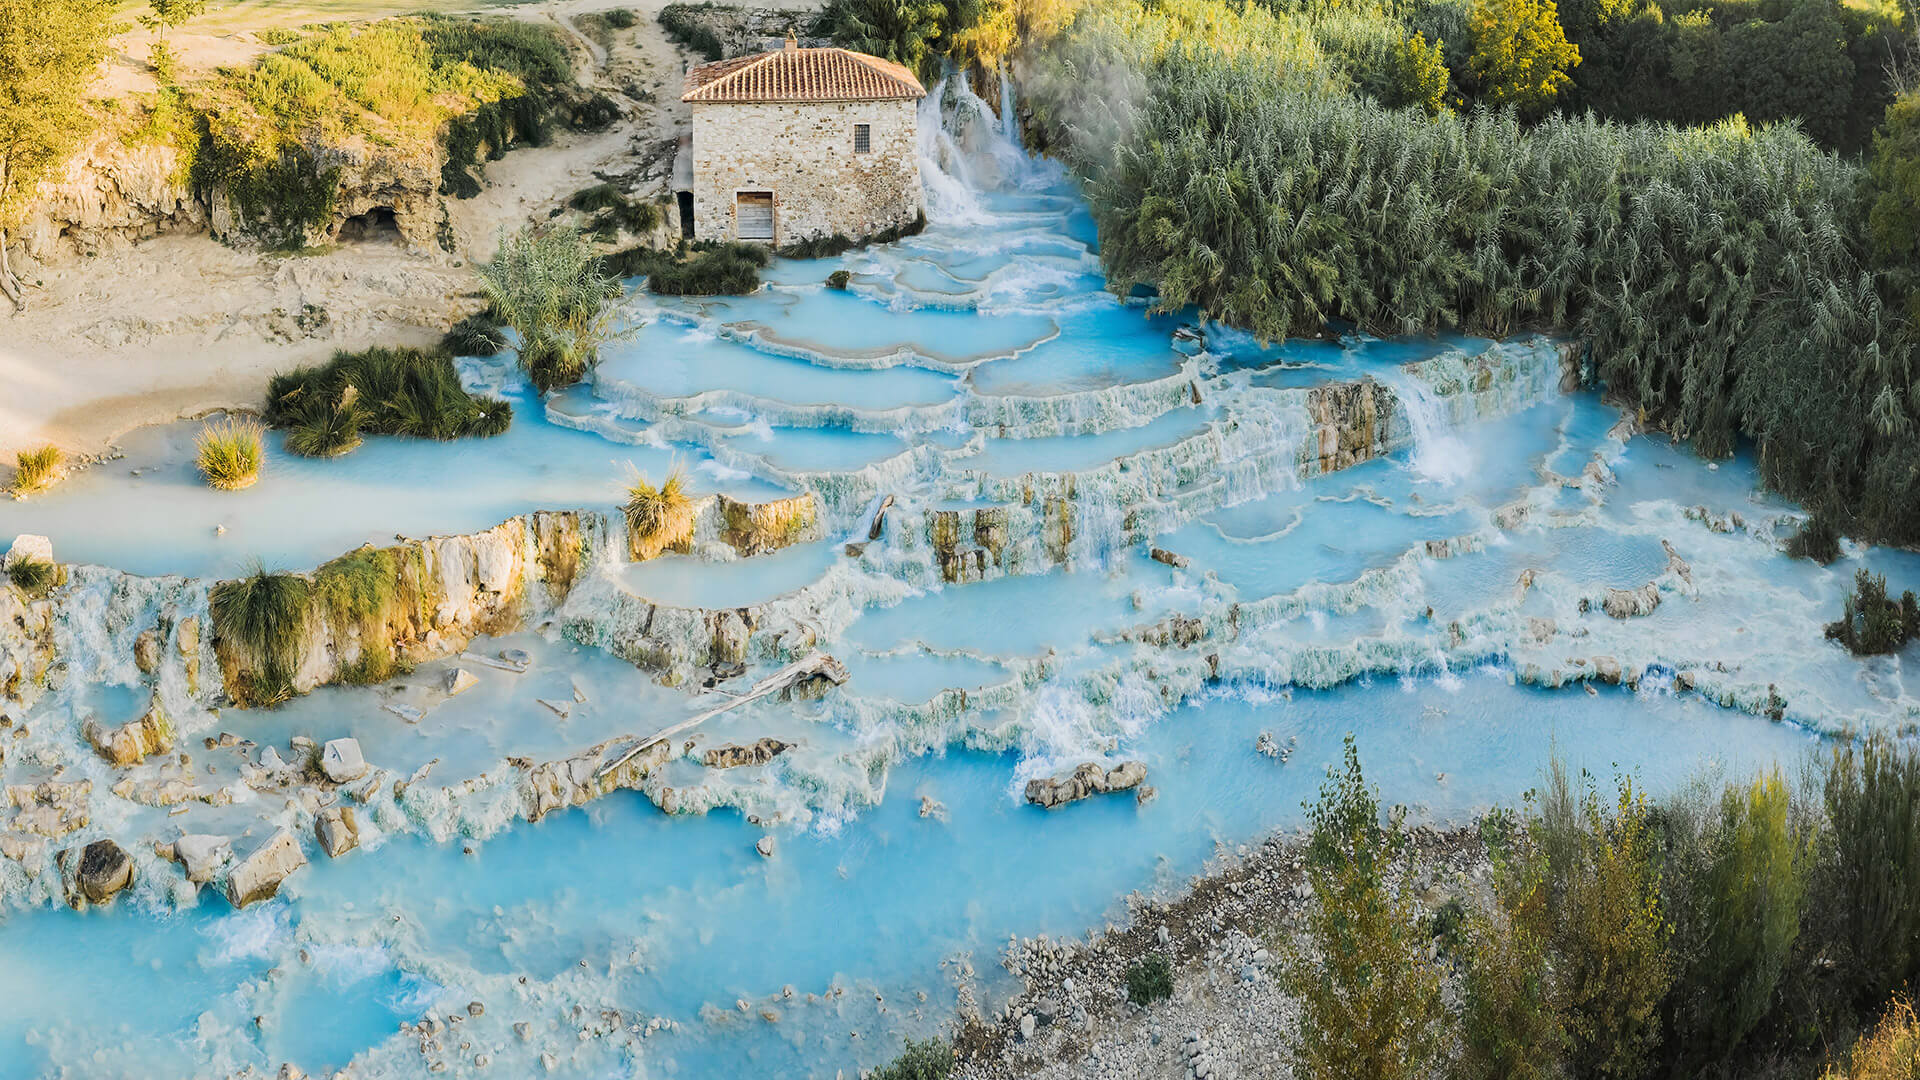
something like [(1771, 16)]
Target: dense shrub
[(261, 621), (683, 24), (1734, 877), (1816, 539), (1369, 993), (707, 268), (1520, 54), (1873, 623), (610, 212), (380, 391), (908, 32), (1150, 979), (35, 470), (1864, 895), (476, 335), (929, 1059), (553, 290)]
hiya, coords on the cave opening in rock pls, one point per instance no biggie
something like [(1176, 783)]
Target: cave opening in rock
[(378, 225)]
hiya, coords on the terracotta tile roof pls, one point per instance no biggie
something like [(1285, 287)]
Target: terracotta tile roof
[(802, 75)]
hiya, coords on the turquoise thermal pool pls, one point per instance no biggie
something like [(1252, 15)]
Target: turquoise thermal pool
[(1041, 527)]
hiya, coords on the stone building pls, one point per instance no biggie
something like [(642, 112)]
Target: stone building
[(799, 143)]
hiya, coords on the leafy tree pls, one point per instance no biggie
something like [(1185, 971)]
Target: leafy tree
[(909, 32), (163, 15), (1418, 75), (1521, 55), (1510, 1021), (1893, 185), (48, 52), (1734, 883), (988, 32), (1369, 993), (1603, 921), (1865, 921)]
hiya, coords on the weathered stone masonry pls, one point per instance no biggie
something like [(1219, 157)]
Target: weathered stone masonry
[(803, 153)]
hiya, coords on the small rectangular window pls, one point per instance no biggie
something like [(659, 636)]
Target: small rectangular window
[(862, 138)]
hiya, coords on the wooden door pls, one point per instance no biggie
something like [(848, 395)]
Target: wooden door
[(753, 215)]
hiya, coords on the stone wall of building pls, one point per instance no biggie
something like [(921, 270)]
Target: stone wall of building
[(803, 153)]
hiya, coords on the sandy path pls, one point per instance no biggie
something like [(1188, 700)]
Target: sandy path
[(181, 325)]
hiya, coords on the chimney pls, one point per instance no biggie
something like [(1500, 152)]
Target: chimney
[(792, 44)]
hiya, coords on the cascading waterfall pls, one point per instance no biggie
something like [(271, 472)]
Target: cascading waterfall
[(1439, 454)]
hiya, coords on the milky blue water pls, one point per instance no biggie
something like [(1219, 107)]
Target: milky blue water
[(1401, 600)]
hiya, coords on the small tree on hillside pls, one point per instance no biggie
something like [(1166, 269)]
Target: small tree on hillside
[(1521, 54), (1369, 992), (48, 52)]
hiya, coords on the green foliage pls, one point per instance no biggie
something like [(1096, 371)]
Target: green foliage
[(683, 24), (31, 575), (930, 1059), (1605, 925), (261, 622), (621, 18), (1510, 1022), (35, 470), (49, 50), (553, 290), (229, 453), (1734, 879), (1520, 54), (364, 590), (1369, 994), (1863, 901), (1821, 62), (1816, 539), (164, 15), (611, 212), (1873, 623), (839, 279), (381, 391), (475, 335), (1718, 274), (707, 268), (820, 247), (1417, 76), (908, 32), (1150, 979)]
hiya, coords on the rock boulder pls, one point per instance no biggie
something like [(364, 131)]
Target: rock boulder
[(337, 830), (1089, 779), (731, 756), (259, 875)]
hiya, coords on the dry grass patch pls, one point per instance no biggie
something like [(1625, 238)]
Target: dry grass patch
[(36, 470), (659, 518)]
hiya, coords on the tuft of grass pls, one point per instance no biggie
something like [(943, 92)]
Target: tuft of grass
[(475, 335), (381, 391), (260, 621), (230, 453), (659, 518), (1150, 980), (33, 576), (839, 279), (36, 470)]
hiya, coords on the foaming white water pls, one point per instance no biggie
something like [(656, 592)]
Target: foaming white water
[(967, 148), (1439, 455)]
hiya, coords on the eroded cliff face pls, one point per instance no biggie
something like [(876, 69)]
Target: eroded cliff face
[(109, 196), (113, 194)]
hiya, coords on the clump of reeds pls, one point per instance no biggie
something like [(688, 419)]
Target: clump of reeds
[(230, 452)]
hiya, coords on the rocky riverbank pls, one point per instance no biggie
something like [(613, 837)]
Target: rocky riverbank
[(1228, 1016)]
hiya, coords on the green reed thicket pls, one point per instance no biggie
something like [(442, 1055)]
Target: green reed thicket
[(1723, 276)]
